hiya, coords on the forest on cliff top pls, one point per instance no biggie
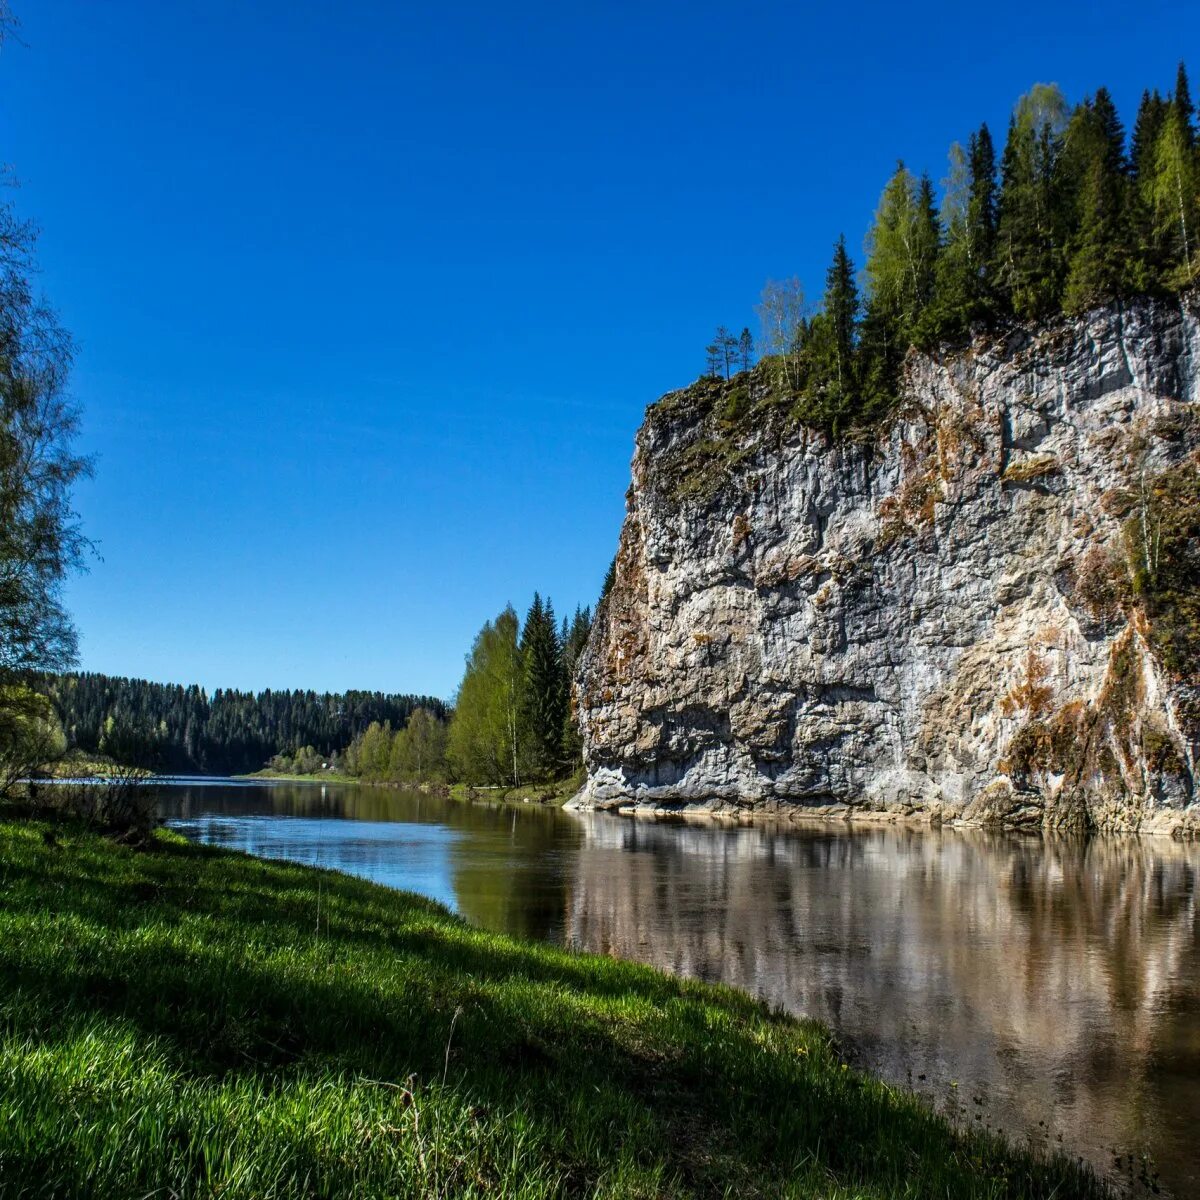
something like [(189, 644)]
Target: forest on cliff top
[(1073, 215)]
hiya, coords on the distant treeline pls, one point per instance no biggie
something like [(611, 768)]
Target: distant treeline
[(1070, 215), (177, 728)]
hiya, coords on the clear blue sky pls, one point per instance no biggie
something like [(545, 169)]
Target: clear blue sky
[(370, 297)]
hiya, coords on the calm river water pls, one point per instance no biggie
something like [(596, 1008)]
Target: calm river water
[(1050, 988)]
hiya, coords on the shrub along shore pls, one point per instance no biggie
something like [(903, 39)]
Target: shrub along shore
[(179, 1020)]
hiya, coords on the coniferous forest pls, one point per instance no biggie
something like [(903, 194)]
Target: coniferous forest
[(1068, 215), (512, 722), (182, 729)]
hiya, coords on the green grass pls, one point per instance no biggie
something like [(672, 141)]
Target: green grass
[(187, 1022)]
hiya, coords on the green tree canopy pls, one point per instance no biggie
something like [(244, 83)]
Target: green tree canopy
[(484, 739), (1101, 254), (544, 705), (1031, 232)]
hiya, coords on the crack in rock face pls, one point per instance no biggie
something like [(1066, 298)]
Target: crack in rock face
[(952, 621)]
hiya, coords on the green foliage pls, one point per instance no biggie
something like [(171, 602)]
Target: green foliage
[(512, 719), (415, 753), (306, 760), (902, 249), (31, 737), (962, 295), (1145, 133), (830, 355), (1102, 262), (736, 405), (1073, 222), (544, 692), (574, 637), (1031, 230), (610, 577), (485, 732), (228, 733), (197, 1023), (40, 539), (419, 749), (1169, 192)]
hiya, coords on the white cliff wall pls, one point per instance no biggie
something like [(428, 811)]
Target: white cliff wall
[(940, 622)]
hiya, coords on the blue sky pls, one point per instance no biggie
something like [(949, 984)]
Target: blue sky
[(370, 297)]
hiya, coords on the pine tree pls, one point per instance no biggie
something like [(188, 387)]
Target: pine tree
[(1029, 260), (1102, 262), (745, 350)]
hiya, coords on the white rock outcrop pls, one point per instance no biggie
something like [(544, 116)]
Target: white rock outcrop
[(942, 622)]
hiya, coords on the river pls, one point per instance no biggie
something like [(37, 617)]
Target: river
[(1046, 987)]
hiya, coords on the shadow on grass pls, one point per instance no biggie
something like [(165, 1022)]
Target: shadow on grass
[(217, 958)]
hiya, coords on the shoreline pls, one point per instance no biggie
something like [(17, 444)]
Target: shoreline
[(1177, 825)]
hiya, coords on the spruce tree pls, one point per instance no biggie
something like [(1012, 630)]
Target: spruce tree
[(545, 694), (1181, 101), (1145, 133), (1102, 262), (961, 294), (1029, 259), (832, 346), (1150, 116), (574, 638), (981, 208)]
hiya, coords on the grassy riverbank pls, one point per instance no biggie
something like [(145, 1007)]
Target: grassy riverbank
[(187, 1021)]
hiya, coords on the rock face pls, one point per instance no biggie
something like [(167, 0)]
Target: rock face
[(958, 619)]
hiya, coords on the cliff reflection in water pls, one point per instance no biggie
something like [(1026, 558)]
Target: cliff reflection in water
[(1056, 982)]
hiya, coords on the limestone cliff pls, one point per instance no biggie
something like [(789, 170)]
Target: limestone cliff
[(988, 612)]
